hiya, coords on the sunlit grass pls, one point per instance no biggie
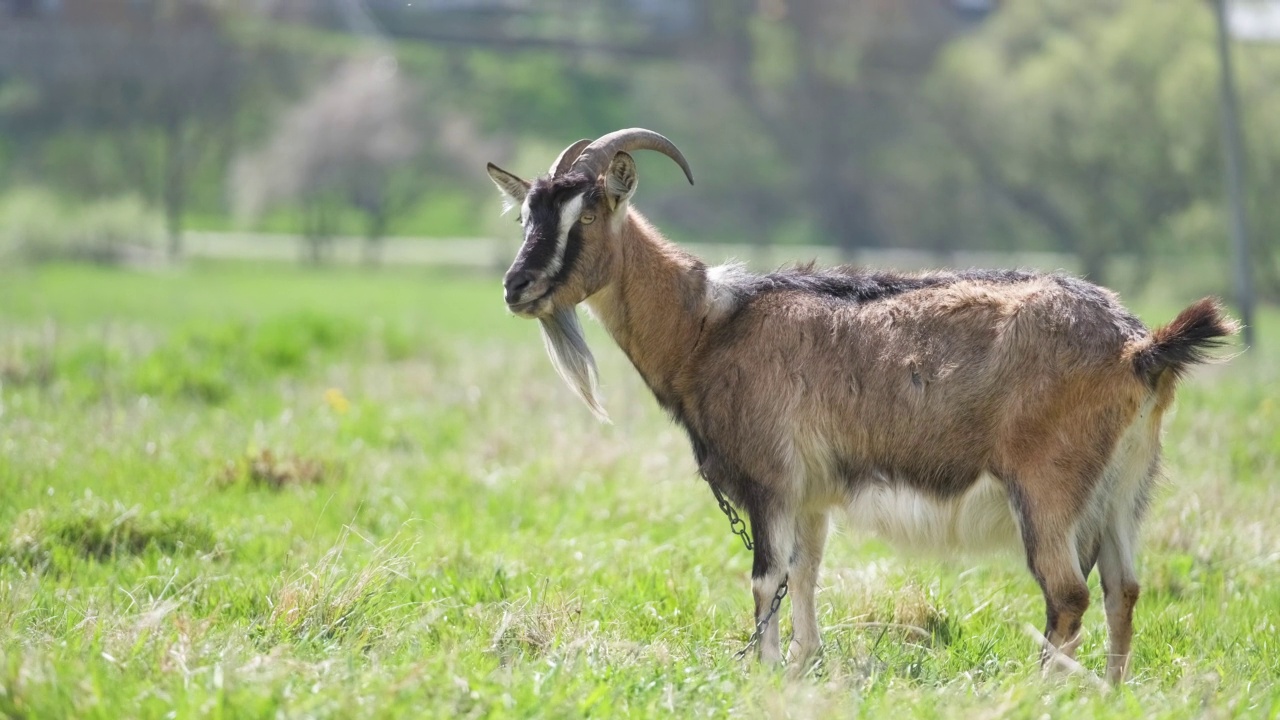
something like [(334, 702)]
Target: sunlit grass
[(393, 507)]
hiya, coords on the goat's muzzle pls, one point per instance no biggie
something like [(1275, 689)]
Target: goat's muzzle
[(525, 291)]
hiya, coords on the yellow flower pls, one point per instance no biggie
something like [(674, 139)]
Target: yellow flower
[(336, 400)]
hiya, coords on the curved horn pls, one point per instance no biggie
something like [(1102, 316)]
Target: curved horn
[(567, 157), (595, 158)]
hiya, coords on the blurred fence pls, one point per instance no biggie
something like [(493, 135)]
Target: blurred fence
[(494, 255)]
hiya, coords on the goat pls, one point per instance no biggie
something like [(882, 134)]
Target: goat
[(946, 410)]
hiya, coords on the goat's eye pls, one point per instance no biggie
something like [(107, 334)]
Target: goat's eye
[(587, 219), (519, 220)]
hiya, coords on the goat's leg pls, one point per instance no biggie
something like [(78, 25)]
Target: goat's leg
[(1066, 595), (1137, 463), (811, 539), (1120, 591), (1053, 558), (774, 535)]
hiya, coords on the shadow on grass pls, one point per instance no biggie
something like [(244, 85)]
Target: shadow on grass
[(97, 530)]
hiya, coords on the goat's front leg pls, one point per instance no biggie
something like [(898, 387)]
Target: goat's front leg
[(774, 533), (811, 539)]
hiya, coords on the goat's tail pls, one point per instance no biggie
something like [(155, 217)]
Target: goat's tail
[(1185, 341)]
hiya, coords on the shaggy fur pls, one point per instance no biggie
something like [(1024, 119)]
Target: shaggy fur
[(947, 411)]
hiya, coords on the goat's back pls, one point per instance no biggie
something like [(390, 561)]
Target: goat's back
[(930, 385)]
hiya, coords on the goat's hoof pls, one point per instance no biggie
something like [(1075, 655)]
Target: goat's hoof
[(802, 659)]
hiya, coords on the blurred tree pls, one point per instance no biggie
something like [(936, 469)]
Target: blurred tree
[(834, 84), (1258, 72), (144, 92), (349, 144), (1097, 119)]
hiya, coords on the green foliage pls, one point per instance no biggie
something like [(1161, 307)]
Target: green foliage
[(206, 362), (1099, 123), (447, 213)]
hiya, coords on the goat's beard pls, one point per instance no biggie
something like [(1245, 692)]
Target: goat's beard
[(562, 334)]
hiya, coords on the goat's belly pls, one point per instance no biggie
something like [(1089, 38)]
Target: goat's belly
[(979, 520)]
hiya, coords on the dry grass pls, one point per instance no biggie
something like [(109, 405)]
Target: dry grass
[(331, 599), (275, 472)]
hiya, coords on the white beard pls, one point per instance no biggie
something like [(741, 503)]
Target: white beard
[(567, 347)]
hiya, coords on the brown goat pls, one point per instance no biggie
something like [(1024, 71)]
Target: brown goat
[(950, 410)]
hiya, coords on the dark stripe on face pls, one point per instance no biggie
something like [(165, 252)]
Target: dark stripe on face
[(572, 249), (546, 201)]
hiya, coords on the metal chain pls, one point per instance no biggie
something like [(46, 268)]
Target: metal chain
[(739, 528), (764, 622), (736, 524)]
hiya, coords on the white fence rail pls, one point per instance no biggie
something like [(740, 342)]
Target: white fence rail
[(493, 254)]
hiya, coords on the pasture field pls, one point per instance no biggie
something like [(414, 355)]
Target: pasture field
[(237, 491)]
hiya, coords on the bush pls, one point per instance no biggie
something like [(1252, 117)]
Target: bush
[(117, 230), (32, 223), (36, 226)]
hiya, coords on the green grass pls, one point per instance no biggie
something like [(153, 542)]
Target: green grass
[(229, 491)]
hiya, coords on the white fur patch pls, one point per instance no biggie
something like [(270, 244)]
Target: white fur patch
[(723, 289), (569, 214), (979, 520), (1112, 513)]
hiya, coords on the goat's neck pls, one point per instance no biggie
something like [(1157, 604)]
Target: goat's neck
[(653, 305)]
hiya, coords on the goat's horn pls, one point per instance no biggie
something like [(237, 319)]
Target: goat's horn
[(595, 158), (567, 157)]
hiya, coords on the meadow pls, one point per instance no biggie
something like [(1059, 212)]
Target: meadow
[(257, 491)]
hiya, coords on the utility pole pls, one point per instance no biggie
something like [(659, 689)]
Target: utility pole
[(1234, 155)]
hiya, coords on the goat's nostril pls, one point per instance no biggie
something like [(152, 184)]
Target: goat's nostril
[(516, 284)]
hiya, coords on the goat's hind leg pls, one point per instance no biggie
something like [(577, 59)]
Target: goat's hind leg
[(1120, 588), (1053, 558), (1066, 596), (1120, 592), (1134, 465)]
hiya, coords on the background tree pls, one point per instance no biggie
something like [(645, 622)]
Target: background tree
[(1096, 120), (834, 85), (135, 101), (349, 144)]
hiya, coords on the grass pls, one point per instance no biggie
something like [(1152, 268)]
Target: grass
[(230, 491)]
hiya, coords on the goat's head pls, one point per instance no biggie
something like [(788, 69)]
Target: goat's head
[(573, 219)]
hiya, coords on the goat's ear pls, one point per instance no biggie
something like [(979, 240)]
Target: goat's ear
[(620, 180), (513, 188)]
